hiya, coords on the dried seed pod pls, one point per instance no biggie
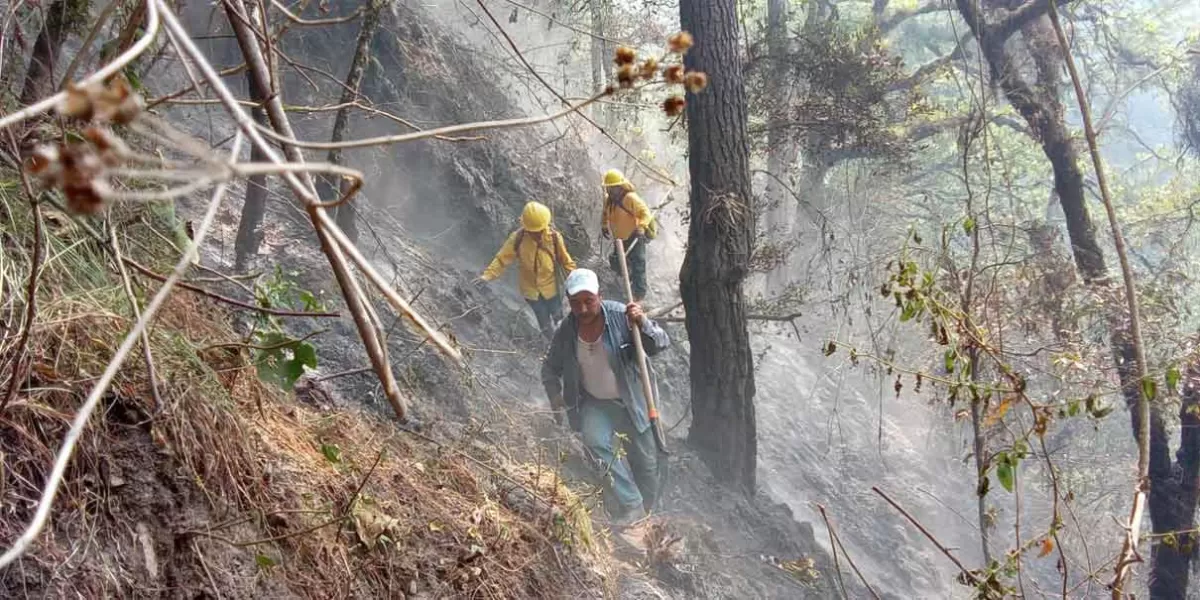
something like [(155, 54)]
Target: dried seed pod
[(45, 164), (695, 81), (674, 105), (118, 103), (673, 74), (78, 103), (680, 42), (626, 75), (112, 148), (81, 168), (625, 55), (82, 197), (649, 68)]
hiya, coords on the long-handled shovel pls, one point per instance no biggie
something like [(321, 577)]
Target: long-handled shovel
[(660, 439)]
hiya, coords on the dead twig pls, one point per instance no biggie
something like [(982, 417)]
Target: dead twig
[(101, 74), (35, 268), (967, 574), (837, 567), (770, 318), (653, 171), (833, 538), (225, 299), (151, 372), (294, 18), (282, 344)]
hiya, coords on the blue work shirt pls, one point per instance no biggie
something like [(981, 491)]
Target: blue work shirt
[(560, 368)]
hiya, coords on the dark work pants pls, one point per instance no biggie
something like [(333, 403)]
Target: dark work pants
[(636, 259), (548, 312)]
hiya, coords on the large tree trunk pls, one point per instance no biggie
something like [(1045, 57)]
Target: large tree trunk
[(249, 235), (1174, 508), (62, 18), (719, 244), (328, 186), (1043, 111)]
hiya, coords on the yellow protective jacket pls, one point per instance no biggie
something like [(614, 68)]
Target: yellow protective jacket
[(535, 254), (625, 218)]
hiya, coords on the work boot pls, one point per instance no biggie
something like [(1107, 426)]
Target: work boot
[(628, 517)]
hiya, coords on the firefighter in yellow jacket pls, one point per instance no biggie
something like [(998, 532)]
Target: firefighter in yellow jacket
[(537, 247), (627, 217)]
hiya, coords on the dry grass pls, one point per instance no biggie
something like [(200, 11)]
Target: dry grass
[(230, 486)]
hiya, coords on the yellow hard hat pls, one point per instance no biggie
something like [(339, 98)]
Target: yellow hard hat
[(535, 217), (614, 177)]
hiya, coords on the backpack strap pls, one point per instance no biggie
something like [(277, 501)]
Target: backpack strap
[(555, 236)]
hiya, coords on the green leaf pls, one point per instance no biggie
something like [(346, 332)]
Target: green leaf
[(332, 453), (1073, 408), (968, 225), (276, 366), (304, 354), (951, 357), (1149, 388), (1173, 378), (1004, 472), (264, 561), (910, 311)]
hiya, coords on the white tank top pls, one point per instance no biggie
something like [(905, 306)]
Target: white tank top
[(598, 377)]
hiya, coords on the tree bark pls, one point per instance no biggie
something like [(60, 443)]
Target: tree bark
[(1044, 114), (1174, 508), (61, 19), (254, 207), (719, 245), (327, 186)]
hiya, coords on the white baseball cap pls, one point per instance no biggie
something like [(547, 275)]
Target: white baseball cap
[(582, 280)]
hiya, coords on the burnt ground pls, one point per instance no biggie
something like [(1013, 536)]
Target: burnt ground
[(730, 546)]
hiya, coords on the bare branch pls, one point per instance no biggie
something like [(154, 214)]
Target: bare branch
[(1129, 547), (151, 373), (900, 16), (650, 169), (227, 300), (564, 24), (440, 131), (314, 22), (967, 574), (101, 74)]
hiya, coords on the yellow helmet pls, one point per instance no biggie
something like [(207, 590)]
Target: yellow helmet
[(613, 177), (535, 217)]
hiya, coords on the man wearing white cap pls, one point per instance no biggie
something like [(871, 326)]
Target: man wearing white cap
[(591, 375)]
